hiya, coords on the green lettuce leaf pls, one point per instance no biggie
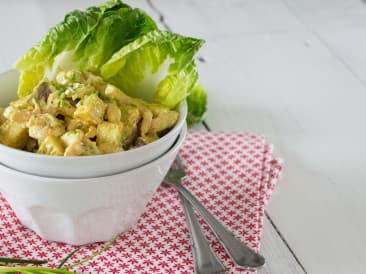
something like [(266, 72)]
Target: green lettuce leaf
[(123, 45), (157, 67), (197, 104), (84, 40), (116, 29), (63, 37)]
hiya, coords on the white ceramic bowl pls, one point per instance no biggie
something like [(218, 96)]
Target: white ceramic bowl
[(80, 166), (81, 211)]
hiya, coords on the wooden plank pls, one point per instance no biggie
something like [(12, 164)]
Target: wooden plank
[(340, 25), (279, 257)]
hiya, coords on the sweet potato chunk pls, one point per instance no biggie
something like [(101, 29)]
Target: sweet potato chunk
[(13, 134), (51, 145), (110, 133), (91, 110)]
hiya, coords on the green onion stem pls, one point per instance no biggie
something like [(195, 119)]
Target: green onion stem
[(21, 261), (68, 257), (32, 269), (106, 246)]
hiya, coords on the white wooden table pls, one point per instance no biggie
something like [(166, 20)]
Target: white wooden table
[(293, 70)]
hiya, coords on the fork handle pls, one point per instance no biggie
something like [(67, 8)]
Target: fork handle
[(205, 260), (240, 253)]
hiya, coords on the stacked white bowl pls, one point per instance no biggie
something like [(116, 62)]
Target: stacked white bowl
[(80, 200)]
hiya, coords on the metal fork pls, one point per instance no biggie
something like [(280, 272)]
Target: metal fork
[(241, 254)]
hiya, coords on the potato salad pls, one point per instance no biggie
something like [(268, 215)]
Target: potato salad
[(81, 114)]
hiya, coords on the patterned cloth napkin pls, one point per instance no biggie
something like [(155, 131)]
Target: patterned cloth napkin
[(232, 174)]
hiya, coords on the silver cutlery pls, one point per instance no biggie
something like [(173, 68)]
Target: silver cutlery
[(205, 260), (241, 254)]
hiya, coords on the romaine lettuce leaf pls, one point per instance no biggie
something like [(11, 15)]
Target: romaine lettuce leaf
[(63, 37), (124, 46), (157, 67), (116, 29), (84, 40), (197, 104)]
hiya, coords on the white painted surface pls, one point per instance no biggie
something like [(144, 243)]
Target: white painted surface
[(293, 70)]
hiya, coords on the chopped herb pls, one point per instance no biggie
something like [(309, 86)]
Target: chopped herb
[(72, 76), (62, 103), (69, 91), (77, 85)]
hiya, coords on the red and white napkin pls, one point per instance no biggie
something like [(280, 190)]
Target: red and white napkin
[(232, 174)]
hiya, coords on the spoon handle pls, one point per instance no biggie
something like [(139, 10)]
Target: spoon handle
[(239, 252)]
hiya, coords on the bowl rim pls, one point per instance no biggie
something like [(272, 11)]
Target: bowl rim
[(176, 146), (182, 109)]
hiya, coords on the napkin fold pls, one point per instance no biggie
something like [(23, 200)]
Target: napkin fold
[(232, 174)]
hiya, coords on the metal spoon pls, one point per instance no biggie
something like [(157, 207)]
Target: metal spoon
[(241, 254)]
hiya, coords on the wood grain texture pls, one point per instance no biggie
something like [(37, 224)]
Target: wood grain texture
[(278, 257)]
